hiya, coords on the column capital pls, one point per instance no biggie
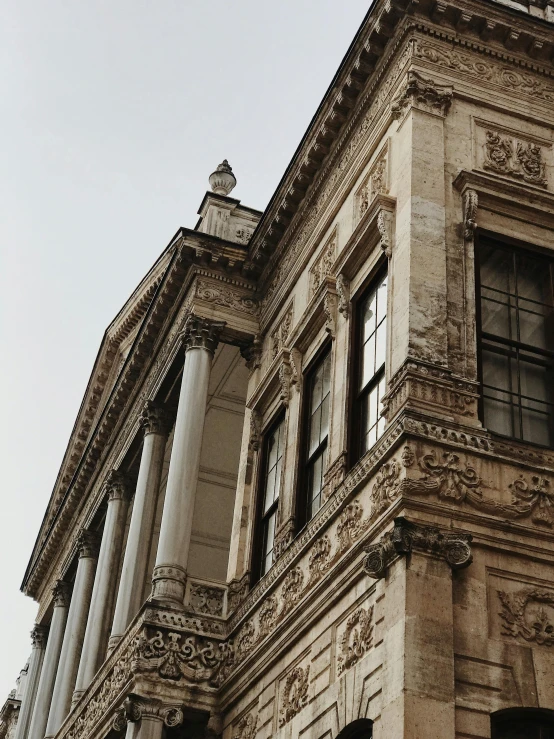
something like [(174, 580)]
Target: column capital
[(155, 419), (407, 537), (88, 544), (201, 333), (39, 635), (61, 594), (117, 485), (135, 708)]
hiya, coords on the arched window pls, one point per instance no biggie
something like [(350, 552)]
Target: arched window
[(360, 729), (522, 723)]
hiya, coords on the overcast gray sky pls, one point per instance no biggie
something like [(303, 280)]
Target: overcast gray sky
[(113, 114)]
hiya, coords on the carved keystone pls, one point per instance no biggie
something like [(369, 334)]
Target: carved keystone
[(407, 537)]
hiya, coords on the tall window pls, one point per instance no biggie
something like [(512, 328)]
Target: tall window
[(523, 723), (517, 342), (318, 388), (370, 384), (269, 500)]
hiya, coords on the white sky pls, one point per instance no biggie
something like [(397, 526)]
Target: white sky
[(113, 114)]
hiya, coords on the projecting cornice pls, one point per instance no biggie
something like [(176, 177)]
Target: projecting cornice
[(149, 309), (504, 30)]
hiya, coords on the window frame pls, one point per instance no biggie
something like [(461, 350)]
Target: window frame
[(302, 496), (258, 555), (380, 270), (542, 718), (481, 237)]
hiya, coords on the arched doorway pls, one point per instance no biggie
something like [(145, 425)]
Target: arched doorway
[(360, 729), (522, 723)]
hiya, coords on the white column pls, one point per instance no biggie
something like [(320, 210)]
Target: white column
[(74, 632), (61, 594), (38, 638), (98, 623), (144, 718), (155, 422), (200, 338)]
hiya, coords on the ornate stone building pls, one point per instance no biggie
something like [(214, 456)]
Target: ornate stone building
[(310, 488)]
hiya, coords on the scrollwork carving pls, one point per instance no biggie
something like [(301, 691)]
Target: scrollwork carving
[(509, 156), (424, 94), (206, 599), (357, 638), (524, 614), (470, 203), (247, 727), (343, 291), (201, 333), (224, 296), (407, 537)]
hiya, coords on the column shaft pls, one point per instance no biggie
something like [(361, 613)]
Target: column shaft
[(50, 664), (96, 633), (38, 636), (74, 633), (135, 562), (169, 576)]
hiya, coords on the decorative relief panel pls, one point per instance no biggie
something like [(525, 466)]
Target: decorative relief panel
[(375, 183), (354, 638), (280, 334), (246, 727), (294, 694), (225, 296), (323, 265), (205, 598), (507, 153), (521, 609)]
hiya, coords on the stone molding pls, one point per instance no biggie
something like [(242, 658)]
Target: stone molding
[(88, 544), (470, 206), (155, 419), (202, 333), (513, 157), (518, 621), (61, 594), (295, 694), (407, 537), (223, 295)]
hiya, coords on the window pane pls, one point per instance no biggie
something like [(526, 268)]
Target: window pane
[(368, 364), (269, 538), (369, 310), (382, 301), (324, 419), (381, 345), (315, 425)]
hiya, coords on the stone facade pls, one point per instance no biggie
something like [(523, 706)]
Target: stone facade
[(414, 598)]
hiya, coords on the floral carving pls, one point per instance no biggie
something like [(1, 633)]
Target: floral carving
[(243, 235), (323, 265), (237, 592), (357, 638), (384, 226), (320, 559), (247, 727), (245, 641), (471, 201), (281, 333), (350, 525), (268, 616), (386, 486), (509, 156), (295, 694), (343, 291), (292, 589), (330, 308), (424, 94), (374, 184), (528, 613)]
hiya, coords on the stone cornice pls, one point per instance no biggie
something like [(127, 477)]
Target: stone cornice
[(518, 38)]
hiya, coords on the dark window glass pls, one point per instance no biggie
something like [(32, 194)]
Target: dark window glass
[(319, 393), (371, 380), (271, 483), (525, 723), (517, 342)]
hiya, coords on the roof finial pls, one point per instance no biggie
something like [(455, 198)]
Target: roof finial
[(222, 180)]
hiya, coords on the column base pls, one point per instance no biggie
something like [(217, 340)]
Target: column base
[(168, 584)]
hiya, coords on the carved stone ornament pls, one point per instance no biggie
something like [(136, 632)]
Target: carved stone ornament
[(280, 334), (39, 635), (202, 333), (295, 359), (471, 202), (117, 485), (155, 419), (374, 184), (252, 354), (285, 378), (407, 537), (509, 156), (61, 594), (247, 727), (343, 291), (255, 430), (384, 226), (283, 538), (323, 265), (237, 592), (357, 638), (330, 303), (424, 94), (295, 694), (528, 613), (88, 544), (206, 599), (134, 708), (225, 296)]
